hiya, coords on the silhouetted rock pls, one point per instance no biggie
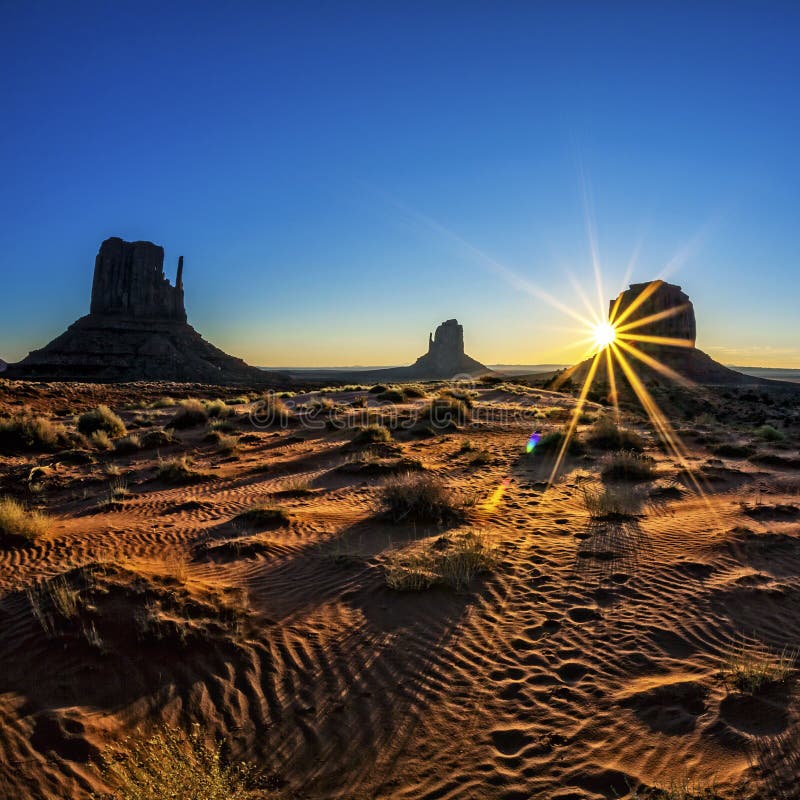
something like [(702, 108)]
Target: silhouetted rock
[(136, 330), (445, 357), (670, 308)]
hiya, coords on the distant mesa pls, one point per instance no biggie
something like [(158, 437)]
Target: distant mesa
[(136, 329), (667, 299), (446, 357)]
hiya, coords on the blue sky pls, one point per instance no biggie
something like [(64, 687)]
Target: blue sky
[(341, 177)]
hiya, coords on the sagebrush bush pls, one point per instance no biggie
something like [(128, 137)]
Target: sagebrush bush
[(444, 411), (613, 502), (31, 432), (127, 444), (372, 434), (421, 497), (178, 470), (392, 395), (18, 525), (629, 465), (769, 433), (554, 441), (606, 434), (171, 765), (264, 517), (190, 413), (101, 418)]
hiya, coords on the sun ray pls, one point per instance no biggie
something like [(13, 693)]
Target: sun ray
[(665, 314), (612, 380), (665, 340), (647, 292), (575, 416), (654, 363)]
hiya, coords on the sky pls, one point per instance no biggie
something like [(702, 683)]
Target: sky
[(342, 177)]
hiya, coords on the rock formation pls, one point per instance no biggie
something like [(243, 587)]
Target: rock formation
[(670, 316), (136, 329), (446, 357)]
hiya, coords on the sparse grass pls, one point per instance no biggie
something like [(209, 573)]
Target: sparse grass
[(613, 502), (101, 418), (53, 600), (153, 439), (30, 432), (680, 789), (19, 525), (102, 441), (606, 434), (222, 425), (190, 413), (372, 434), (444, 411), (178, 470), (218, 409), (264, 517), (465, 396), (392, 395), (467, 446), (163, 402), (377, 388), (449, 560), (629, 466), (228, 445), (769, 433), (752, 667), (481, 458), (421, 497), (127, 444), (171, 764), (271, 410), (414, 390)]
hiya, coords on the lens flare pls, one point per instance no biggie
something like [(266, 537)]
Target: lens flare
[(605, 334), (533, 441)]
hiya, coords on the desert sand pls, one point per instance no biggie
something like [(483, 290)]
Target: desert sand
[(593, 655)]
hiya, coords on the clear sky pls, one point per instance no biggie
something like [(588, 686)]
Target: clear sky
[(341, 177)]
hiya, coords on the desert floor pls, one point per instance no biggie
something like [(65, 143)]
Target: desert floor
[(588, 662)]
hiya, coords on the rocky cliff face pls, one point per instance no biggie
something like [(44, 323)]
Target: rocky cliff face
[(129, 281), (136, 330), (667, 299)]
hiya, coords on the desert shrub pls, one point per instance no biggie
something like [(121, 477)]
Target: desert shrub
[(359, 402), (74, 456), (225, 425), (30, 432), (629, 465), (271, 410), (444, 411), (372, 434), (467, 446), (227, 444), (157, 439), (606, 434), (751, 667), (171, 764), (377, 388), (481, 458), (178, 470), (127, 444), (101, 418), (264, 517), (732, 450), (18, 525), (554, 441), (414, 390), (617, 502), (421, 497), (466, 396), (218, 409), (162, 402), (101, 441), (392, 395), (769, 433), (449, 560), (190, 413)]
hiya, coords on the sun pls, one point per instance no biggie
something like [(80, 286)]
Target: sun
[(605, 334)]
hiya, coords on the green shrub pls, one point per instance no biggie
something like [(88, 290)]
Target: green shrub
[(769, 434), (101, 418)]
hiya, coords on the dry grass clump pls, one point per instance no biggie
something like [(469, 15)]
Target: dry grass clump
[(101, 441), (153, 439), (752, 667), (606, 434), (218, 409), (190, 413), (372, 434), (30, 432), (101, 418), (227, 445), (466, 396), (377, 388), (178, 470), (18, 525), (162, 402), (127, 444), (445, 411), (392, 395), (414, 390), (680, 789), (171, 764), (449, 561), (629, 465), (262, 517), (613, 502), (423, 498), (271, 410)]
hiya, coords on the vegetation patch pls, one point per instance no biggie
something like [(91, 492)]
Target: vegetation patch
[(607, 435), (190, 414), (178, 470), (372, 434), (452, 560), (613, 502), (628, 465), (101, 418), (752, 667), (18, 525), (263, 517), (30, 432), (422, 498)]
